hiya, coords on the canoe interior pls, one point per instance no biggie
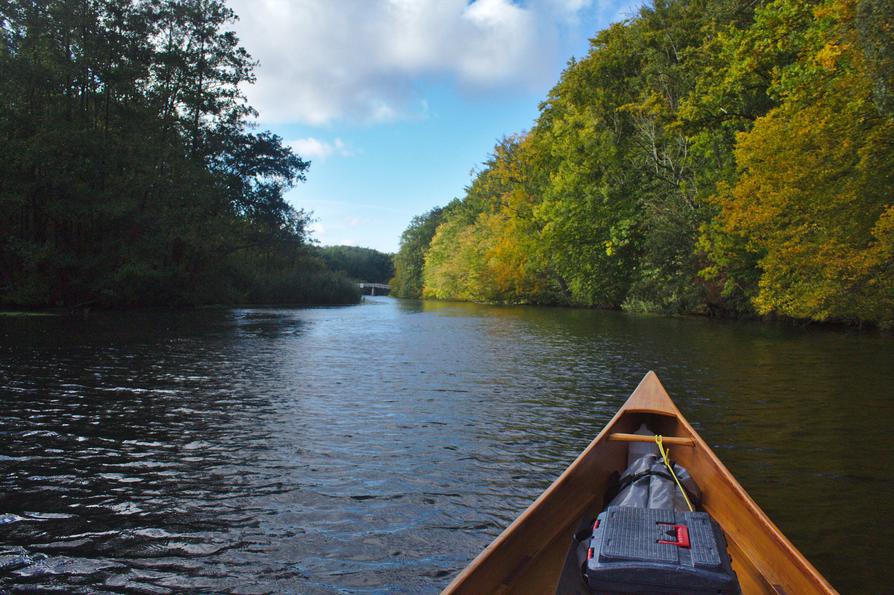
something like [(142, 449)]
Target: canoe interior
[(528, 557)]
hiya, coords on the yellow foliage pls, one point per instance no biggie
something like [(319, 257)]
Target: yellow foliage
[(814, 196), (495, 257), (829, 55)]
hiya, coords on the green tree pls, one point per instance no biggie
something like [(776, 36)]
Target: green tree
[(362, 264), (130, 173), (814, 196), (409, 261)]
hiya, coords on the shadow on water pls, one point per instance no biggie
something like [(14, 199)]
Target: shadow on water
[(380, 447)]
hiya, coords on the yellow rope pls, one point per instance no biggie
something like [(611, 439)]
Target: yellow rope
[(665, 454)]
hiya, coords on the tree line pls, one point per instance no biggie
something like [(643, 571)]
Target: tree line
[(361, 264), (721, 157), (130, 170)]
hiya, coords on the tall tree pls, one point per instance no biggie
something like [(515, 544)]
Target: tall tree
[(130, 171), (410, 258), (814, 194)]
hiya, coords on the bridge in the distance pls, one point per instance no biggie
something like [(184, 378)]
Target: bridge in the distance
[(374, 288)]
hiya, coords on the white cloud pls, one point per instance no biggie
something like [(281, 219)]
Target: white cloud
[(325, 60), (313, 148), (317, 231), (569, 8), (341, 232)]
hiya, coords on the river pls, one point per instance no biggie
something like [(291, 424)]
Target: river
[(379, 447)]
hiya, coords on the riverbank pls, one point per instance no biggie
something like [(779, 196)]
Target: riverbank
[(719, 314), (84, 310), (234, 284)]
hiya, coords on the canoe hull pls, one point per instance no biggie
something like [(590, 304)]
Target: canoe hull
[(528, 557)]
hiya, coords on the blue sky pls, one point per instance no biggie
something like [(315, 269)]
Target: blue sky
[(395, 101)]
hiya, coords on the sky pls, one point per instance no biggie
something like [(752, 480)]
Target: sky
[(396, 102)]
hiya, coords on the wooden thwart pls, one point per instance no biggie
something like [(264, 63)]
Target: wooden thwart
[(675, 440)]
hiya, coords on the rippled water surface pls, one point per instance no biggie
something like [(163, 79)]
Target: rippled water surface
[(380, 447)]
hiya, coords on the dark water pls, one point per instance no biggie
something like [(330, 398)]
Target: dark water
[(380, 447)]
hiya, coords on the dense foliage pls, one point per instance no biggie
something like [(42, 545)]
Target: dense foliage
[(706, 156), (362, 264), (410, 259), (129, 170)]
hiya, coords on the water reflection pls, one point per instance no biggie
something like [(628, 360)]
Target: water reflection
[(380, 447)]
